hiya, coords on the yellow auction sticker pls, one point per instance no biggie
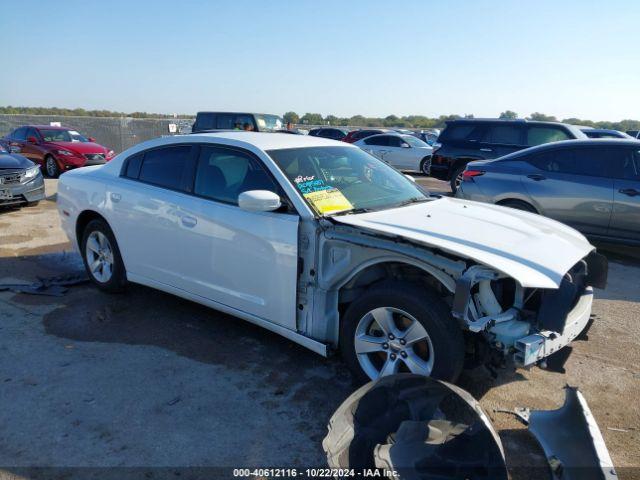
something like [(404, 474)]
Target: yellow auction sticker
[(330, 200)]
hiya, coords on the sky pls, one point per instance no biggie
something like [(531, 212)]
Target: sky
[(566, 58)]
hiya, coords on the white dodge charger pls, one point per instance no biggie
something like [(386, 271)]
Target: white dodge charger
[(332, 248)]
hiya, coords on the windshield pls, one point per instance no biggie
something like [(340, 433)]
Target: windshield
[(269, 122), (62, 136), (414, 142), (345, 179)]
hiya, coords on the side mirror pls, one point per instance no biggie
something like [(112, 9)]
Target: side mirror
[(259, 201), (91, 139), (32, 140), (405, 145)]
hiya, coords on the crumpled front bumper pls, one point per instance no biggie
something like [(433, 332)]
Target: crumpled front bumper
[(533, 348), (32, 191)]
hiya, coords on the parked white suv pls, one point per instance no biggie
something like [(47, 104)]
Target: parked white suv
[(331, 248)]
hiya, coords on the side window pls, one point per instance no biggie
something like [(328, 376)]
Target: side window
[(505, 134), (206, 121), (31, 132), (167, 167), (627, 165), (395, 141), (19, 134), (224, 122), (540, 135), (591, 162), (222, 174), (132, 169), (381, 141)]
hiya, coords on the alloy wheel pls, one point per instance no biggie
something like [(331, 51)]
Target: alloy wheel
[(99, 256), (51, 167), (389, 340)]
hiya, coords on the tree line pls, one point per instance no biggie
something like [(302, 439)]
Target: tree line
[(408, 121), (420, 121)]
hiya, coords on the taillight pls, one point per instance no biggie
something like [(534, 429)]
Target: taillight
[(467, 175)]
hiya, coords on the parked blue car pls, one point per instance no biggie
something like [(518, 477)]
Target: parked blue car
[(591, 185)]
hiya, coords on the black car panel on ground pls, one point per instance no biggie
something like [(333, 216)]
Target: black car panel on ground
[(466, 140)]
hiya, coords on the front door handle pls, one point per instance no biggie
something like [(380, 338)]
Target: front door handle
[(486, 150), (537, 177), (116, 197), (632, 192), (189, 221)]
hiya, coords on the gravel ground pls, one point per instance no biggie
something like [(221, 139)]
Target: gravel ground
[(145, 379)]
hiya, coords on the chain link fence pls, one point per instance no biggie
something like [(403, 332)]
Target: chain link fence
[(116, 133)]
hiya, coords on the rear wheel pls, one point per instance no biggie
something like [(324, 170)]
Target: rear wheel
[(456, 178), (519, 205), (102, 258), (425, 166), (51, 166), (400, 327)]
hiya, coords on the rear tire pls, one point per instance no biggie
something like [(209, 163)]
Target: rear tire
[(425, 166), (456, 178), (426, 339), (51, 167), (101, 257), (519, 205)]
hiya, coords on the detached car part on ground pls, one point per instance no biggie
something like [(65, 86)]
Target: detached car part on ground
[(21, 181), (332, 248), (421, 428)]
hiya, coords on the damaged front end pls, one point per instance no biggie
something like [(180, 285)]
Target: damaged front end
[(528, 324)]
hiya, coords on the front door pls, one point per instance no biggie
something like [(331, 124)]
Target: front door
[(573, 186), (625, 220), (241, 259)]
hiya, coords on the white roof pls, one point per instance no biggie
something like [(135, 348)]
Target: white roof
[(272, 141)]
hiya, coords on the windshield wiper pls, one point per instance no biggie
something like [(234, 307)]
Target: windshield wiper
[(410, 201), (353, 211)]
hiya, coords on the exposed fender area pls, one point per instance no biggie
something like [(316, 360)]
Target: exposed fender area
[(572, 441)]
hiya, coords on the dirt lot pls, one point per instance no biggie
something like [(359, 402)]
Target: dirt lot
[(145, 379)]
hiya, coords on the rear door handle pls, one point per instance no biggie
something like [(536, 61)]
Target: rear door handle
[(536, 177), (486, 150), (632, 192), (189, 221), (116, 197)]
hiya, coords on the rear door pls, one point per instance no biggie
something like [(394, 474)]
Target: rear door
[(625, 220), (502, 139), (573, 186), (151, 217), (378, 146)]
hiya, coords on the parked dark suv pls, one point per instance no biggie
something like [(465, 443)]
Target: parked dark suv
[(466, 140), (258, 122)]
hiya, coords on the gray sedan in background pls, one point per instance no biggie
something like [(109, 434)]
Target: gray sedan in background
[(591, 185)]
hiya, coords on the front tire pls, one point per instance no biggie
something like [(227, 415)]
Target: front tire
[(101, 257), (400, 327), (51, 167)]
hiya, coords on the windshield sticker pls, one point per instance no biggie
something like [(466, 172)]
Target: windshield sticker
[(328, 200), (308, 184)]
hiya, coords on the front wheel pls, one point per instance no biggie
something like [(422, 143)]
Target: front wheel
[(102, 258), (401, 327), (51, 166)]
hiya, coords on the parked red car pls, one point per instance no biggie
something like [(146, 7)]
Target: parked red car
[(56, 149)]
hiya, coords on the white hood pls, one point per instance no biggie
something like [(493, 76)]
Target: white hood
[(535, 250)]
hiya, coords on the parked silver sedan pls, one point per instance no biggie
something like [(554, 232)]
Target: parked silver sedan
[(404, 152), (591, 185)]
